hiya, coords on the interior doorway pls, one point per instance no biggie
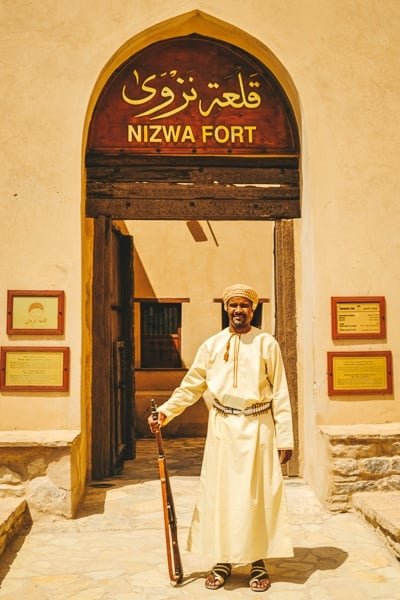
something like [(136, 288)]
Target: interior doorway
[(119, 405), (179, 271)]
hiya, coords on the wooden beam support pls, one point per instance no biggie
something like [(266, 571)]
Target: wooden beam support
[(193, 174), (101, 382), (232, 209), (285, 326), (160, 161), (131, 201)]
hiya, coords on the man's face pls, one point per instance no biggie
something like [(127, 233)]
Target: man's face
[(240, 313)]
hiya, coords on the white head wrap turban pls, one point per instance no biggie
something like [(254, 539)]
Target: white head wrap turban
[(243, 291)]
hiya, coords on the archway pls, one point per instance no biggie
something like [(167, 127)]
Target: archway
[(215, 138)]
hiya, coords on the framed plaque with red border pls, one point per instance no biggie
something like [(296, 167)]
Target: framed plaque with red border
[(34, 369), (358, 317), (35, 312), (359, 372)]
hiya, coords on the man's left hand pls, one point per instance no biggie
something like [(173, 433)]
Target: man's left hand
[(285, 456)]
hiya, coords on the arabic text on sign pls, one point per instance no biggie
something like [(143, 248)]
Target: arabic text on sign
[(174, 98)]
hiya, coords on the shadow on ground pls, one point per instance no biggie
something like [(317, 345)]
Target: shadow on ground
[(183, 457), (305, 562), (12, 549), (298, 569)]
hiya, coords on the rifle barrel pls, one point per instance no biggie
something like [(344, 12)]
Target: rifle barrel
[(175, 568)]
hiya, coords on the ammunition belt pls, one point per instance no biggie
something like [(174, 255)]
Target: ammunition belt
[(256, 409)]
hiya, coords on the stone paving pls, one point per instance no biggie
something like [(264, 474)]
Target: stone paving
[(115, 550)]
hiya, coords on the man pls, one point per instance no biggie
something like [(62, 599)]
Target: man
[(240, 516)]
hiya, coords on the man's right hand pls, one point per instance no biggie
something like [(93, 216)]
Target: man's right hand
[(155, 425)]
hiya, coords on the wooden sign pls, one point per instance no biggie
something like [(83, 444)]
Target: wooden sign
[(191, 95)]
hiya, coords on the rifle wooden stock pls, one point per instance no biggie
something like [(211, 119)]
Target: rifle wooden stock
[(175, 569)]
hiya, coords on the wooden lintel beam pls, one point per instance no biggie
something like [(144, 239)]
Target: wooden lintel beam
[(123, 159), (193, 174), (194, 209), (126, 190)]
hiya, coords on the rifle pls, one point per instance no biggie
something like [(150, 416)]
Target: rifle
[(170, 524)]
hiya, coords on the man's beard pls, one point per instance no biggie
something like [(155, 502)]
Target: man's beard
[(239, 323)]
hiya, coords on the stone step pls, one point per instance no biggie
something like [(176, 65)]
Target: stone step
[(14, 517), (381, 510)]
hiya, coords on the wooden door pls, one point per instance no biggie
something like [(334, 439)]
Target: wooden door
[(285, 323), (113, 383), (122, 437)]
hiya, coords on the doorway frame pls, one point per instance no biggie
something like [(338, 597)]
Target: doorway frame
[(285, 333)]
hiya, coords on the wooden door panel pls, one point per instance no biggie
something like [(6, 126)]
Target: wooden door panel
[(112, 386)]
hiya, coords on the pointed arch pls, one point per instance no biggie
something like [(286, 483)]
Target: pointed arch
[(222, 181)]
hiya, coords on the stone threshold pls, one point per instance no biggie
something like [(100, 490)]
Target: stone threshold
[(381, 511), (51, 438), (361, 430)]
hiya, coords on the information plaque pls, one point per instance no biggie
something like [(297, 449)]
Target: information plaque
[(358, 317), (367, 372), (34, 369), (35, 312)]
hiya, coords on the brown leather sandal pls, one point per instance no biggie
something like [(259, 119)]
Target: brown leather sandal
[(259, 578), (218, 576)]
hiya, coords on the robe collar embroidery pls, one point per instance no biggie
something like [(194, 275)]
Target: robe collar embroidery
[(235, 356)]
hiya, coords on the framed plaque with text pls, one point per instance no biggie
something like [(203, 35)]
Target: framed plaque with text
[(33, 312), (358, 317), (366, 372), (34, 369)]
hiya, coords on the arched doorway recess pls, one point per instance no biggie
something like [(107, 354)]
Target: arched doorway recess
[(189, 128)]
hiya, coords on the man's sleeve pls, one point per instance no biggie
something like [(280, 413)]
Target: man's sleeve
[(282, 412), (190, 390)]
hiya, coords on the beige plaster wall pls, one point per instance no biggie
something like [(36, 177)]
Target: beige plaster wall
[(339, 62), (40, 195), (347, 239)]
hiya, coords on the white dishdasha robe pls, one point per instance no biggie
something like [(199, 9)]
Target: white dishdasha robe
[(240, 515)]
